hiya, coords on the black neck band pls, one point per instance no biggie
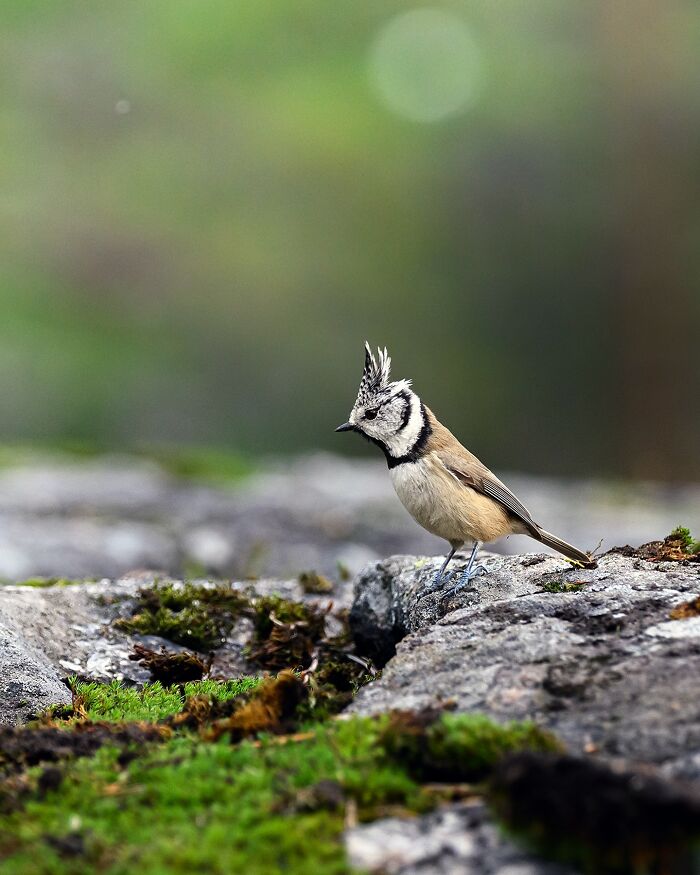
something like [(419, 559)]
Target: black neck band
[(416, 450)]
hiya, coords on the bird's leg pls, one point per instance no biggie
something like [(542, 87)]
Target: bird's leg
[(438, 577), (470, 572)]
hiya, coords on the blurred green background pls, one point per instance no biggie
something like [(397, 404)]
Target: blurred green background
[(208, 205)]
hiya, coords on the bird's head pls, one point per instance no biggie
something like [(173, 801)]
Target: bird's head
[(387, 413)]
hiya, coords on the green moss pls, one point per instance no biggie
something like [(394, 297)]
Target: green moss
[(191, 614), (187, 805), (456, 747), (268, 611), (687, 543), (201, 616), (44, 582), (182, 807), (115, 702), (285, 634), (682, 534), (468, 746), (561, 586)]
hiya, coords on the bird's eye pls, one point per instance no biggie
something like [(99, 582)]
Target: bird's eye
[(370, 414)]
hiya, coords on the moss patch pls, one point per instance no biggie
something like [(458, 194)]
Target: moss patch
[(185, 794), (678, 546), (171, 668), (115, 702), (285, 635), (273, 707), (21, 746), (186, 613), (562, 586), (45, 582), (183, 807), (431, 746), (681, 536), (270, 805)]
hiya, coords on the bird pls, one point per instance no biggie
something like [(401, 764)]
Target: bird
[(444, 486)]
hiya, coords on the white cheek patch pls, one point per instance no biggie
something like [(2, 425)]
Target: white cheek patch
[(402, 442)]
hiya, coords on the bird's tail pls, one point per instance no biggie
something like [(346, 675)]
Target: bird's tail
[(567, 549)]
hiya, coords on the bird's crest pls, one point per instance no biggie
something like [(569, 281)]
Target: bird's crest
[(375, 384)]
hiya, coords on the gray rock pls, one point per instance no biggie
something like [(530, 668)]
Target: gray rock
[(48, 634), (602, 666), (390, 596), (28, 681), (455, 840)]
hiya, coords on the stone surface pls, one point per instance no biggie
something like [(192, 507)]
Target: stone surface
[(48, 634), (602, 666), (456, 840), (28, 680), (105, 517)]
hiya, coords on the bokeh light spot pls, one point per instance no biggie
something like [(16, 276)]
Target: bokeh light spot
[(425, 65)]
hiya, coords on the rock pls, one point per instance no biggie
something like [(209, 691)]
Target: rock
[(28, 681), (390, 597), (601, 664), (455, 840), (591, 654), (50, 633)]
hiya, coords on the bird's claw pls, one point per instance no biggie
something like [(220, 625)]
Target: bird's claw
[(441, 581), (438, 583), (477, 571)]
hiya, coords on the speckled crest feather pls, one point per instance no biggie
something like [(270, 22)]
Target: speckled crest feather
[(375, 386)]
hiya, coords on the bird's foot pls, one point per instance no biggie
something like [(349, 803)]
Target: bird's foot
[(438, 582), (470, 574)]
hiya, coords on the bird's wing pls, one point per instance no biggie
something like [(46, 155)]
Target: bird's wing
[(469, 471)]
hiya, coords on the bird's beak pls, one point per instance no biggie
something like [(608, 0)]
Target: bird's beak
[(346, 426)]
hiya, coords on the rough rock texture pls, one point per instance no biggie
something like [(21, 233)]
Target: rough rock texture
[(49, 634), (28, 680), (602, 665), (105, 517), (457, 840)]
